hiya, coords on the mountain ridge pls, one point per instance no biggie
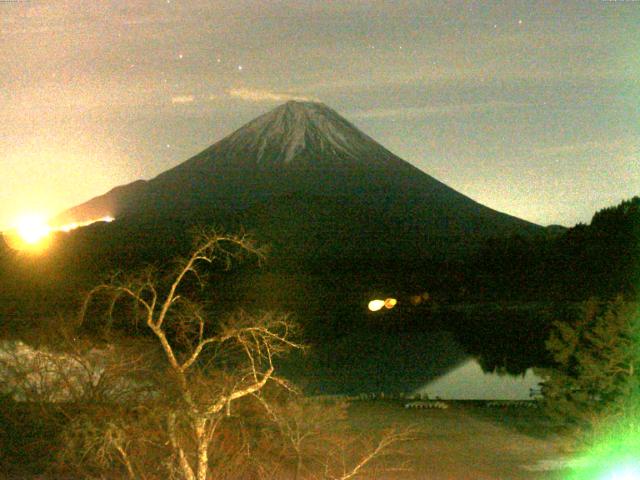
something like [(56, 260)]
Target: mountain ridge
[(306, 150)]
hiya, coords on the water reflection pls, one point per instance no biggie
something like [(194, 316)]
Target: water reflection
[(403, 349), (376, 361)]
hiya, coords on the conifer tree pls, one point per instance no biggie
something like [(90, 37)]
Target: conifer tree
[(597, 359)]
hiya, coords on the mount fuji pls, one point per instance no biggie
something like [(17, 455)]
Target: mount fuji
[(307, 181)]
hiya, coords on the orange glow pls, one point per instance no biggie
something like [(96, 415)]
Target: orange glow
[(32, 233), (72, 226), (418, 299), (32, 229), (377, 304), (389, 303)]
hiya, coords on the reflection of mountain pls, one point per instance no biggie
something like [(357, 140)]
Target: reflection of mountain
[(377, 361), (407, 349), (305, 179), (503, 337)]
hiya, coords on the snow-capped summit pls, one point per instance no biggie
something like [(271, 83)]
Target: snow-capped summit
[(300, 133), (285, 132)]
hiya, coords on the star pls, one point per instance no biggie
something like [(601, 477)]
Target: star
[(180, 56), (519, 22), (240, 67)]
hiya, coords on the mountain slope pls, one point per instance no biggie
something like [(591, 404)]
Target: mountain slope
[(304, 164)]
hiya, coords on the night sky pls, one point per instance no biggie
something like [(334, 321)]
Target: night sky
[(531, 108)]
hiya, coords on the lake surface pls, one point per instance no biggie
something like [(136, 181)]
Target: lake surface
[(429, 362), (412, 346), (432, 347)]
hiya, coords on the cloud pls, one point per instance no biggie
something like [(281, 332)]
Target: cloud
[(620, 145), (255, 95), (183, 99), (452, 109)]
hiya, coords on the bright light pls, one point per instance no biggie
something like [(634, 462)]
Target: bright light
[(73, 225), (375, 305), (69, 226), (625, 472), (32, 232), (614, 456), (389, 303), (32, 229)]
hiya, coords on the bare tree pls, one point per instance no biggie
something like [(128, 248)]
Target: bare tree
[(210, 366), (317, 437)]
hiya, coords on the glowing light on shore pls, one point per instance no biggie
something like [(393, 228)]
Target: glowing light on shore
[(32, 228), (376, 305), (32, 232), (389, 303), (72, 226)]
